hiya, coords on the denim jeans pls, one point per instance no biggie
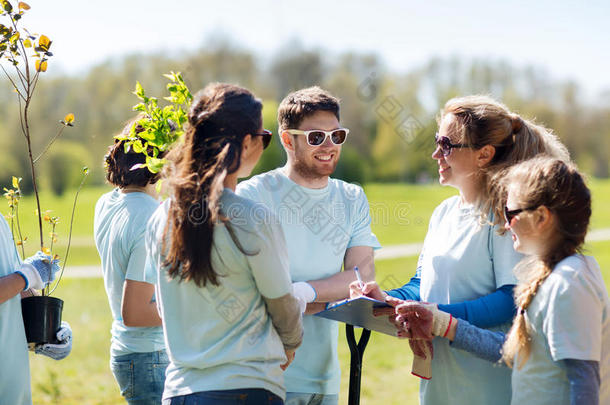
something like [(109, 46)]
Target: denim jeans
[(246, 396), (304, 398), (141, 376)]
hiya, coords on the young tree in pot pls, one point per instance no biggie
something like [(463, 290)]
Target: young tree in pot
[(27, 57)]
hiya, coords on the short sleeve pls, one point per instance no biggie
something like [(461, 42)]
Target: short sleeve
[(362, 235), (136, 266), (573, 321), (270, 265), (504, 258)]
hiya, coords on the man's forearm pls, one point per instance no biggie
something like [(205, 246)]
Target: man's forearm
[(10, 286), (333, 288)]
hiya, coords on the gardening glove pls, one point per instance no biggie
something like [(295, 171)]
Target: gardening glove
[(424, 321), (422, 358), (304, 294), (60, 350), (38, 270)]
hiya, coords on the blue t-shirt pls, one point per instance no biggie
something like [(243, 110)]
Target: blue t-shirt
[(319, 225), (463, 260), (14, 366), (222, 337), (119, 227)]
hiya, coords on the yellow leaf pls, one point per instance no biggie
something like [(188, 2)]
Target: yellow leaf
[(46, 250), (15, 182), (41, 66), (69, 118), (23, 6), (27, 43), (44, 42), (14, 37)]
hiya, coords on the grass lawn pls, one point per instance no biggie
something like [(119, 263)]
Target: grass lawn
[(400, 215)]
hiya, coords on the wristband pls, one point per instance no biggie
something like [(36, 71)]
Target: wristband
[(27, 283)]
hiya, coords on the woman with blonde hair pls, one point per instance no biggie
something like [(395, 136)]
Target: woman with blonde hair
[(560, 338), (465, 266), (230, 321)]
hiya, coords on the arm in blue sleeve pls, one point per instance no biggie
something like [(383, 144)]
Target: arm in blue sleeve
[(490, 310), (583, 376), (482, 343), (409, 291)]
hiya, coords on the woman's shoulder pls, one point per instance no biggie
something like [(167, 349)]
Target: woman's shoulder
[(446, 206)]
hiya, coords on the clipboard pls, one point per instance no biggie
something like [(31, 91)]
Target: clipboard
[(359, 312)]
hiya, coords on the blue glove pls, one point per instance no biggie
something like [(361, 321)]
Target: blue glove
[(38, 270), (60, 350)]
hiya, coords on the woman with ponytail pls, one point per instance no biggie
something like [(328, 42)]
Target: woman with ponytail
[(137, 352), (230, 321), (559, 342), (467, 260)]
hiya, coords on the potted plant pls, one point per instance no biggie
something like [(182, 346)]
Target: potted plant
[(27, 55)]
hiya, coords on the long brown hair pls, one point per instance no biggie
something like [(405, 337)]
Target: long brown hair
[(220, 117), (559, 186), (481, 120)]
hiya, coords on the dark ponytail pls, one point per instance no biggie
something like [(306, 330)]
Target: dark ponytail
[(220, 117)]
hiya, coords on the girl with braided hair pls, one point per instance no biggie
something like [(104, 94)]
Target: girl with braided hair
[(560, 338), (466, 263), (230, 321)]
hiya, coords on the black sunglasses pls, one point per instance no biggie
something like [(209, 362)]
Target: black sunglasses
[(266, 135), (510, 214), (445, 144)]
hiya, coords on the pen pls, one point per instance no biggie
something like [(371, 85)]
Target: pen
[(358, 276)]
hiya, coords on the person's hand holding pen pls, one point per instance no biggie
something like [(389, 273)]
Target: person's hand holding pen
[(371, 289)]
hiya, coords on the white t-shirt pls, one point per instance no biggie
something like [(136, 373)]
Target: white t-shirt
[(461, 261), (570, 319), (320, 225), (14, 366), (221, 337), (119, 226)]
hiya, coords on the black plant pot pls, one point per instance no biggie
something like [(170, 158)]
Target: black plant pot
[(41, 318)]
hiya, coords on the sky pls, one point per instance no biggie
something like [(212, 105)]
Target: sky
[(569, 39)]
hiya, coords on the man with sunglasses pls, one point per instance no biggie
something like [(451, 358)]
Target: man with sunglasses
[(326, 223)]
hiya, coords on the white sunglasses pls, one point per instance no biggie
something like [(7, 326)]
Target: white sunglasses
[(317, 137)]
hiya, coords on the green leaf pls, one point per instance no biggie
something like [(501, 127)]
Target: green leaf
[(154, 164), (140, 107), (139, 91)]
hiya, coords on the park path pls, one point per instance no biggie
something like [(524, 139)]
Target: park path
[(387, 252)]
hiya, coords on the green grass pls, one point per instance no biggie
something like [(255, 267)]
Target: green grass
[(85, 378), (82, 250)]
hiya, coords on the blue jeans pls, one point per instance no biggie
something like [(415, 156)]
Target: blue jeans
[(304, 398), (141, 376), (245, 396)]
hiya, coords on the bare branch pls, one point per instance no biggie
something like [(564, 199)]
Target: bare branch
[(50, 143), (12, 82)]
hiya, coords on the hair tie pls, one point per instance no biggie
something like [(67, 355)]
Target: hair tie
[(521, 311)]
